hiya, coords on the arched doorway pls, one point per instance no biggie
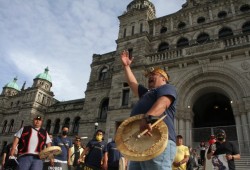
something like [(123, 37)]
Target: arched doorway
[(213, 111)]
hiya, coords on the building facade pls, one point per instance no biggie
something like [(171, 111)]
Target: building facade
[(204, 47)]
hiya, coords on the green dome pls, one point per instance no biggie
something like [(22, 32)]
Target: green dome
[(13, 84), (45, 75)]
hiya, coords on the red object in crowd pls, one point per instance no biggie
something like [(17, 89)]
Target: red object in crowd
[(212, 140)]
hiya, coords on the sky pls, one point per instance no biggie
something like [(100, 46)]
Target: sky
[(62, 35)]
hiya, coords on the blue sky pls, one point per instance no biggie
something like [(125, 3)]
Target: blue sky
[(63, 35)]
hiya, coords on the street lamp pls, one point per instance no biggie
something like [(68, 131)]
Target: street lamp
[(96, 125)]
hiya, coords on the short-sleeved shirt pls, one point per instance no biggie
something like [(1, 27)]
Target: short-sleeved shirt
[(96, 152), (33, 140), (60, 141), (226, 148), (149, 97), (114, 155), (181, 152)]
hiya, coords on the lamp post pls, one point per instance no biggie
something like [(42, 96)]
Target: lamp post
[(96, 125)]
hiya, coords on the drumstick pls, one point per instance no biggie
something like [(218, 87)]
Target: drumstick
[(155, 123)]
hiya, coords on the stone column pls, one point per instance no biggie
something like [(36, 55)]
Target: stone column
[(176, 125), (239, 131), (190, 18), (245, 131), (181, 128), (248, 122), (188, 133), (232, 8)]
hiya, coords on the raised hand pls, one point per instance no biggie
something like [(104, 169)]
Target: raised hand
[(126, 60)]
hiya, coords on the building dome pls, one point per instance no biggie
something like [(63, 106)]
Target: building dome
[(45, 75), (13, 84)]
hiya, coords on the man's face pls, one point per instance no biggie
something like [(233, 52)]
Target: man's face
[(78, 142), (179, 141), (37, 123), (155, 80)]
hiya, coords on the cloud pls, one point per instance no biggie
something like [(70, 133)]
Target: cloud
[(63, 35)]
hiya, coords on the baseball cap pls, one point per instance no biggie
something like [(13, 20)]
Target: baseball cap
[(38, 118)]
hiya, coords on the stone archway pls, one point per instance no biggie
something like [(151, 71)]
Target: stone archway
[(211, 79)]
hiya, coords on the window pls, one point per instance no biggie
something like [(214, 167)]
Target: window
[(67, 122), (181, 25), (182, 42), (104, 74), (133, 30), (48, 125), (57, 126), (245, 8), (246, 27), (104, 109), (163, 30), (125, 97), (163, 46), (124, 33), (201, 20), (4, 126), (11, 128), (202, 38), (141, 28), (76, 125), (222, 14), (130, 52), (225, 32)]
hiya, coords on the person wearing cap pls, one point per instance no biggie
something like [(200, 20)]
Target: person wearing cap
[(182, 155), (76, 151), (156, 100), (31, 140), (224, 147), (95, 155)]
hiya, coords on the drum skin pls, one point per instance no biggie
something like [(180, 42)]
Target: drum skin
[(143, 148), (49, 152)]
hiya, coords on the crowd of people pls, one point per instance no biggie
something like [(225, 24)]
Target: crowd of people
[(156, 100)]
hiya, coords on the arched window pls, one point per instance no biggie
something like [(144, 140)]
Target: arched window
[(11, 128), (246, 27), (225, 32), (57, 126), (104, 109), (67, 122), (103, 74), (182, 42), (163, 46), (222, 14), (163, 30), (4, 126), (181, 25), (76, 125), (202, 38), (245, 8), (201, 20), (48, 125)]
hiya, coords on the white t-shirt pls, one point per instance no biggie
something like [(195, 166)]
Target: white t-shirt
[(33, 140)]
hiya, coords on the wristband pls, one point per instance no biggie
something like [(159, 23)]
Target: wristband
[(151, 119)]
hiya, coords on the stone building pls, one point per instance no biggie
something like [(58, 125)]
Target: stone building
[(204, 47)]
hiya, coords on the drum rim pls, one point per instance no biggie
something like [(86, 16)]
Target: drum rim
[(159, 148), (48, 149)]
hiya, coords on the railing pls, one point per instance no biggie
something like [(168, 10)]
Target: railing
[(212, 45)]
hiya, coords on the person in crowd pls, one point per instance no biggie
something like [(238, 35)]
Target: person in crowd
[(182, 155), (155, 101), (95, 155), (6, 162), (222, 146), (203, 148), (114, 155), (65, 143), (76, 151), (193, 160), (31, 140)]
